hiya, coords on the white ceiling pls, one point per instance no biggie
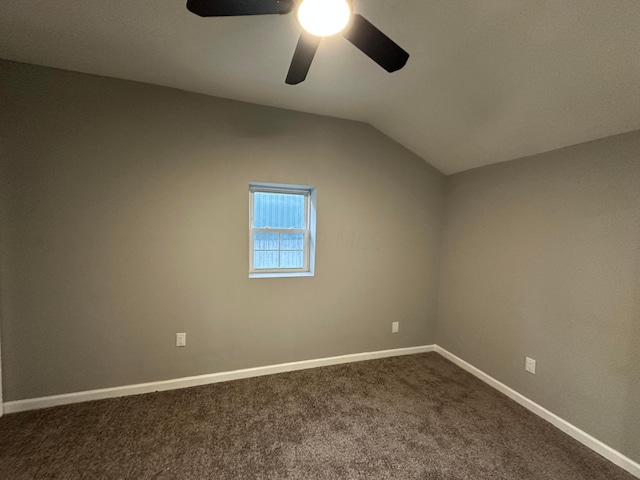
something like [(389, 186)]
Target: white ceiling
[(487, 81)]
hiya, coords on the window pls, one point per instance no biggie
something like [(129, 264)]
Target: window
[(281, 230)]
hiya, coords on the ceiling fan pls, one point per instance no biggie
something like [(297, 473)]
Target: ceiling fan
[(318, 18)]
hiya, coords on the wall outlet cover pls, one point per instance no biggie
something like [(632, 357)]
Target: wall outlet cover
[(530, 365)]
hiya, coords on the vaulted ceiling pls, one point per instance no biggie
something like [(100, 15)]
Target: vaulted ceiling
[(487, 81)]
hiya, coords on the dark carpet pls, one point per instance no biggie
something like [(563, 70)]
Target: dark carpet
[(412, 417)]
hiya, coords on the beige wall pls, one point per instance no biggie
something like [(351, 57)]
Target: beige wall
[(541, 257), (128, 223)]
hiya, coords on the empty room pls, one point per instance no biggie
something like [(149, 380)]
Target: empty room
[(320, 239)]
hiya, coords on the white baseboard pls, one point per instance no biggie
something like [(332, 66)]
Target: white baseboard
[(173, 384), (573, 431), (593, 443)]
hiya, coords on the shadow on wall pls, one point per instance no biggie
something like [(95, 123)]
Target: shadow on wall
[(632, 401), (243, 125), (3, 266)]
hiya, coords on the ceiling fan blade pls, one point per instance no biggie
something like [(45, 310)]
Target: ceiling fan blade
[(229, 8), (302, 57), (380, 48)]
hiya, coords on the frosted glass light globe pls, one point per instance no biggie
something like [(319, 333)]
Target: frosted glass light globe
[(324, 17)]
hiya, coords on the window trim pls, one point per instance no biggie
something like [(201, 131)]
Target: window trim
[(309, 192)]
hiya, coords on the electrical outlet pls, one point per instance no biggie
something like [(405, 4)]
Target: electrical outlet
[(530, 365), (395, 327), (181, 339)]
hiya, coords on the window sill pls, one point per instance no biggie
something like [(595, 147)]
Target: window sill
[(280, 275)]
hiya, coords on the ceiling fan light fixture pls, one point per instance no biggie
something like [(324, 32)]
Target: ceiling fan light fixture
[(317, 19), (324, 17)]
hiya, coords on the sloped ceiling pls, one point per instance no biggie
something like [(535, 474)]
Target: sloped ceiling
[(487, 81)]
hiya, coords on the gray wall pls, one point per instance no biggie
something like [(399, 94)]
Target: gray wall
[(125, 221), (541, 257), (3, 243), (128, 217)]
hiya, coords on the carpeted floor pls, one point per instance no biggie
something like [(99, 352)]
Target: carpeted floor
[(412, 417)]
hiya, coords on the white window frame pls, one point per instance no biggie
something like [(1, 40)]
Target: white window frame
[(308, 269)]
